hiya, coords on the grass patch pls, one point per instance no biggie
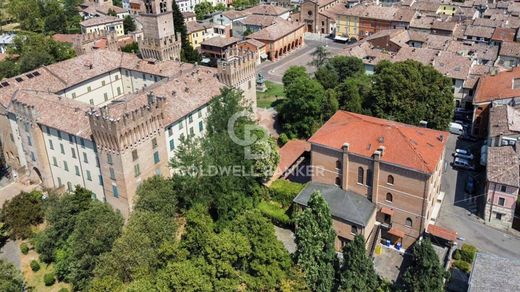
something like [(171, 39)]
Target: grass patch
[(271, 96), (35, 279), (275, 212)]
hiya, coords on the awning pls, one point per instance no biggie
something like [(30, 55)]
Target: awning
[(443, 233), (387, 211), (396, 232), (340, 38), (263, 55)]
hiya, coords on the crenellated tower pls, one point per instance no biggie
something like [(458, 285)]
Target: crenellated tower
[(238, 69), (130, 147), (159, 39)]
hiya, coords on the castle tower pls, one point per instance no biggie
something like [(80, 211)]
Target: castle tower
[(159, 40), (238, 69), (130, 148)]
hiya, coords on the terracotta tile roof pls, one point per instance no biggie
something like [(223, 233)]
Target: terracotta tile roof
[(487, 22), (443, 233), (188, 14), (479, 31), (233, 14), (322, 3), (504, 34), (397, 232), (289, 154), (265, 9), (260, 20), (95, 21), (474, 50), (66, 38), (497, 87), (276, 31), (404, 14), (510, 49), (426, 6), (423, 55), (502, 166), (499, 120), (452, 65), (444, 25), (194, 26), (220, 41), (255, 43), (105, 9), (425, 22), (408, 146)]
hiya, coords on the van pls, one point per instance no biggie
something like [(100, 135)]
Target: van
[(456, 129), (462, 163)]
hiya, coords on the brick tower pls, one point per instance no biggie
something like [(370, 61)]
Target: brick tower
[(238, 69), (159, 41)]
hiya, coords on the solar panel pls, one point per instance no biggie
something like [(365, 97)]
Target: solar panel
[(5, 84), (18, 79), (36, 73)]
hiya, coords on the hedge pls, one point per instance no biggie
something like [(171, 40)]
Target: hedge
[(462, 265), (275, 213), (284, 191), (35, 266), (465, 253), (49, 279), (24, 248)]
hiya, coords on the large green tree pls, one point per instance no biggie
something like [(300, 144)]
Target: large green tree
[(128, 24), (156, 194), (293, 73), (353, 94), (425, 272), (320, 55), (202, 9), (22, 212), (346, 66), (11, 279), (357, 270), (315, 237), (410, 92), (188, 54)]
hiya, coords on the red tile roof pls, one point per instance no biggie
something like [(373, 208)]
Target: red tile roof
[(289, 153), (408, 146), (397, 232), (497, 87), (443, 233)]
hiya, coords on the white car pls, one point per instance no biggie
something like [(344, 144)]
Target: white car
[(465, 156), (463, 163), (462, 151)]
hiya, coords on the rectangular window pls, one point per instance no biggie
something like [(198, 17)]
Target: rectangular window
[(109, 158), (201, 126), (200, 114), (73, 95), (29, 140), (170, 131), (137, 170), (117, 77), (71, 139), (105, 95), (172, 145), (369, 177), (498, 216), (54, 161), (59, 134), (97, 162), (103, 83), (73, 152), (65, 166), (181, 125), (91, 101), (89, 88), (59, 182), (112, 173), (77, 170), (503, 189), (62, 149), (501, 201), (51, 145), (115, 191), (89, 177), (118, 91), (47, 130), (33, 157), (82, 142), (190, 118), (192, 132), (85, 158), (134, 155), (154, 143), (156, 157)]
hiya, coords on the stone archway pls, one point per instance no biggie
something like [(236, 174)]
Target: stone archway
[(38, 173)]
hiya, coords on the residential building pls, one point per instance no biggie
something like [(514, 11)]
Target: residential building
[(223, 22), (509, 55), (120, 118), (253, 23), (268, 10), (198, 33), (254, 46), (318, 16), (280, 38), (103, 24), (395, 167), (6, 39), (90, 10), (189, 16), (215, 48)]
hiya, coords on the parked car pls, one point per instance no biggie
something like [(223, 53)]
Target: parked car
[(469, 187), (468, 137), (456, 128), (463, 164), (465, 156), (462, 151)]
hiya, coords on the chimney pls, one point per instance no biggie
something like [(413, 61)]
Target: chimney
[(381, 150), (423, 124), (344, 166)]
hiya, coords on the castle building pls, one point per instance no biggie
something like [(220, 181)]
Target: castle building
[(159, 41), (108, 120)]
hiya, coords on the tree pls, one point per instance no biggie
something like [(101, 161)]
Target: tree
[(199, 228), (157, 195), (220, 7), (320, 56), (293, 73), (131, 48), (8, 68), (94, 233), (347, 67), (128, 24), (11, 279), (301, 113), (425, 272), (202, 9), (353, 93), (357, 270), (22, 212), (314, 238), (327, 76), (118, 3), (410, 92), (183, 276), (188, 54)]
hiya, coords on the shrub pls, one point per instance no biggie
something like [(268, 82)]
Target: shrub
[(24, 248), (49, 279), (284, 191), (283, 139), (462, 265), (465, 253), (275, 213), (35, 266)]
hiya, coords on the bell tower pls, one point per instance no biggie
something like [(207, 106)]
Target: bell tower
[(159, 41)]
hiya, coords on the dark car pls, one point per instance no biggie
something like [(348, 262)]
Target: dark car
[(469, 187), (467, 137)]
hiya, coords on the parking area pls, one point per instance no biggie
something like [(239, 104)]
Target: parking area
[(462, 212)]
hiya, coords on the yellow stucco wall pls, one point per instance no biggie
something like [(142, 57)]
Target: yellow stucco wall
[(347, 26), (446, 9)]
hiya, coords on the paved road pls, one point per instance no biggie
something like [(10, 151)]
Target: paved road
[(457, 211), (274, 71)]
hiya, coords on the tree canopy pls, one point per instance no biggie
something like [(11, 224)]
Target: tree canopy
[(22, 212), (357, 270), (49, 17), (314, 238), (188, 54), (425, 272), (11, 279)]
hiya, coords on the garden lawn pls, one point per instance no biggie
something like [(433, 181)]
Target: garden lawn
[(269, 98)]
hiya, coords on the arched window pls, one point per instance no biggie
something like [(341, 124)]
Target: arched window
[(408, 222), (389, 197), (338, 164), (390, 180), (360, 175), (369, 177), (354, 229)]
